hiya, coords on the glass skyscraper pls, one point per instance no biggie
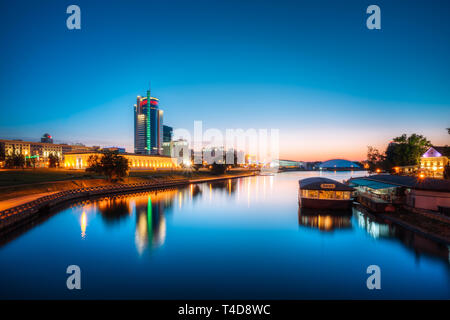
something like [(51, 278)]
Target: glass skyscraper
[(148, 125)]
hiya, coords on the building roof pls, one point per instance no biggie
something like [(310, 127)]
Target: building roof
[(437, 152), (318, 183), (63, 145), (445, 150), (338, 163), (372, 184), (408, 182), (31, 142)]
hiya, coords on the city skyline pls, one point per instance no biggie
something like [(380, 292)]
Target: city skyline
[(314, 71)]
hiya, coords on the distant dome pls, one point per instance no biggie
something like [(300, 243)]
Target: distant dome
[(338, 163)]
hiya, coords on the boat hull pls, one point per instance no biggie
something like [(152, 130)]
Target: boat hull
[(325, 204)]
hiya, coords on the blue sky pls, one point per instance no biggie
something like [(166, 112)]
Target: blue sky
[(309, 68)]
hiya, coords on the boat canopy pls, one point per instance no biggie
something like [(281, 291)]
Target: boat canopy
[(318, 183), (372, 184)]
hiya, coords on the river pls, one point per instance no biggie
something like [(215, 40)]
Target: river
[(243, 238)]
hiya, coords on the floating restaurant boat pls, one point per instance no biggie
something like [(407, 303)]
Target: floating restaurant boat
[(323, 193)]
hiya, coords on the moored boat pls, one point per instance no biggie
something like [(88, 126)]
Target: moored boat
[(324, 193)]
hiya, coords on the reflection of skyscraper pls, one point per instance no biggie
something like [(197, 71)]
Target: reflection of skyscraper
[(148, 125), (151, 221), (150, 215)]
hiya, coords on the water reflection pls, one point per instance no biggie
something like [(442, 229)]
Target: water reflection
[(328, 221), (113, 209), (324, 220), (418, 243), (216, 234), (83, 223), (374, 229), (150, 209)]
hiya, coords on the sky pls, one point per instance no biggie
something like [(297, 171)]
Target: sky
[(311, 69)]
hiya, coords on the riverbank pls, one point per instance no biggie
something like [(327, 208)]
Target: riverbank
[(15, 184), (44, 196), (434, 229)]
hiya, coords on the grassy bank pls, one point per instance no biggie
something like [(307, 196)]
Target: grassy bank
[(27, 176), (19, 183)]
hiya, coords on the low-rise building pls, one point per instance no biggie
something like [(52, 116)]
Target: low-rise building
[(80, 160), (10, 147), (433, 161), (78, 147), (116, 149), (383, 190), (339, 165), (37, 150), (40, 151), (406, 170), (290, 164)]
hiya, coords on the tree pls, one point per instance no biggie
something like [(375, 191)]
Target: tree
[(109, 164), (406, 151), (15, 160), (448, 130), (447, 171), (218, 168), (30, 162), (94, 164), (402, 151), (53, 160), (375, 159)]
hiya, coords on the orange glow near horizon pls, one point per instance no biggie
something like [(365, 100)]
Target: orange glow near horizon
[(304, 145)]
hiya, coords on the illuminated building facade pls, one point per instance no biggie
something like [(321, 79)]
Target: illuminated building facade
[(433, 162), (167, 140), (148, 126), (80, 160), (38, 151), (167, 133)]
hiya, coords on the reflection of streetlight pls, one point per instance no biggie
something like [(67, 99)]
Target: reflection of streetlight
[(83, 222)]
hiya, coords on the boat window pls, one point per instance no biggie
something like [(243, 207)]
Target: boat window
[(313, 193), (326, 194)]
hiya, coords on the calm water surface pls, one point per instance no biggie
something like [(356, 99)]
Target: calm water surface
[(243, 238)]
